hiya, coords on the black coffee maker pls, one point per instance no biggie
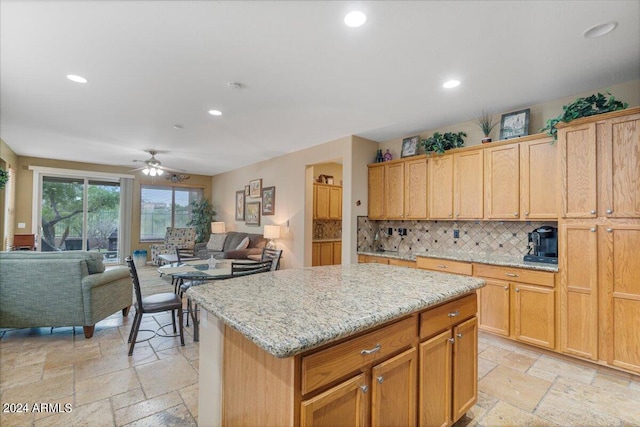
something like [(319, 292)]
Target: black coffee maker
[(543, 245)]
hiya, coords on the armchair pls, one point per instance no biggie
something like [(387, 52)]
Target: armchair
[(176, 238)]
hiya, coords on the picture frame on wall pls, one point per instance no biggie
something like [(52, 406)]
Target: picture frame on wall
[(410, 146), (268, 201), (246, 191), (255, 187), (515, 124), (252, 214), (240, 205)]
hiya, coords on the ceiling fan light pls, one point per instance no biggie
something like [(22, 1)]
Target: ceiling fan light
[(160, 172), (145, 171), (152, 172)]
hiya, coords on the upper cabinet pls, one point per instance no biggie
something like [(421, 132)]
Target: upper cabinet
[(327, 201), (455, 185), (520, 180), (398, 189), (440, 194), (600, 163)]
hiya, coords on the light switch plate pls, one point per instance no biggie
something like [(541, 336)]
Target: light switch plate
[(22, 225)]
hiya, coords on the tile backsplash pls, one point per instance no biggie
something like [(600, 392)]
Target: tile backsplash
[(483, 237), (327, 229)]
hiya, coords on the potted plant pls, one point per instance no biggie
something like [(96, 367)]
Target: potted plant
[(4, 177), (583, 107), (202, 214), (486, 124), (440, 142)]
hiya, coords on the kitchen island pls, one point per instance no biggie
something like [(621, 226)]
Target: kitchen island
[(302, 347)]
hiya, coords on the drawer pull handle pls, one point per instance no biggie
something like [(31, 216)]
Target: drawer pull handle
[(373, 350), (454, 313), (442, 266), (380, 379), (511, 274), (451, 340), (459, 335), (364, 388)]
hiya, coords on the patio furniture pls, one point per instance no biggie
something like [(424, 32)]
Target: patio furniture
[(176, 237), (167, 301)]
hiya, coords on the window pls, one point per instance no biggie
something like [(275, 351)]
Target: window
[(162, 207)]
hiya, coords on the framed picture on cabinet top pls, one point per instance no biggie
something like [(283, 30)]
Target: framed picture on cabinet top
[(255, 187), (514, 125), (252, 215), (410, 146), (240, 205)]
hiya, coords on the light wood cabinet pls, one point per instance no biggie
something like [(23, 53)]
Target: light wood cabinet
[(468, 185), (578, 171), (448, 364), (394, 389), (445, 265), (518, 303), (376, 184), (415, 194), (538, 179), (326, 253), (394, 190), (342, 405), (441, 185), (327, 201), (502, 182)]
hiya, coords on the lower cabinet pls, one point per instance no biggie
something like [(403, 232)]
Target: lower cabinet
[(449, 365), (342, 405), (518, 303), (326, 253)]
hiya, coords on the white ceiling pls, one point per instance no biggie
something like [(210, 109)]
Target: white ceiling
[(307, 77)]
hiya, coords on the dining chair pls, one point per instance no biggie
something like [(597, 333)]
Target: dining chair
[(274, 255), (244, 269), (167, 301)]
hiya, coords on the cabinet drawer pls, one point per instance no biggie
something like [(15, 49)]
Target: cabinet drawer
[(335, 362), (543, 278), (445, 265), (376, 259), (402, 263), (440, 318)]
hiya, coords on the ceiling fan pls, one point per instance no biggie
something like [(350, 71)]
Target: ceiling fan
[(153, 166)]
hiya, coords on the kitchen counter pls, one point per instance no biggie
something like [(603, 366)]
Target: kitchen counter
[(287, 312), (500, 260)]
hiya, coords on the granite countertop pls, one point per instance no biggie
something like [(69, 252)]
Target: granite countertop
[(500, 260), (287, 312)]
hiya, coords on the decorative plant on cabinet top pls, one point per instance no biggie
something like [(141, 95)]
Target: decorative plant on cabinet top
[(584, 107), (441, 142), (486, 124)]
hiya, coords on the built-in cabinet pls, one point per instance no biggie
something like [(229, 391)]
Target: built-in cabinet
[(398, 189), (327, 201), (326, 253), (600, 237)]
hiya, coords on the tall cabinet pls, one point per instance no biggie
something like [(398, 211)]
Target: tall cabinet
[(599, 238)]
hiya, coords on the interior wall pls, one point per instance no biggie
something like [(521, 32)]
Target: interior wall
[(292, 175), (628, 92), (24, 190), (330, 169), (8, 159)]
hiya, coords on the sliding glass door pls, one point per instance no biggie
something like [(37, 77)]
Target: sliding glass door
[(80, 213)]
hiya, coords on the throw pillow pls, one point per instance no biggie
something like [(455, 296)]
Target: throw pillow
[(244, 244), (216, 242)]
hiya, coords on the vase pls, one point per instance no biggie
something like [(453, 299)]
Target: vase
[(486, 140)]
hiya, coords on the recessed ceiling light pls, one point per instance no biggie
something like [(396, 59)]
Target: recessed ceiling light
[(600, 30), (77, 79), (355, 18), (178, 126), (451, 84), (234, 85), (215, 112)]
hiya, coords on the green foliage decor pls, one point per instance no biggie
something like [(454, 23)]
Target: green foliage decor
[(486, 123), (202, 214), (583, 107), (441, 142), (4, 177)]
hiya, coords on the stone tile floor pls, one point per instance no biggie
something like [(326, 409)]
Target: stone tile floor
[(158, 385)]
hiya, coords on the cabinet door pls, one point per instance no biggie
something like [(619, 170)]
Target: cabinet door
[(534, 315), (465, 367), (376, 192), (315, 254), (579, 290), (321, 208), (619, 193), (621, 282), (440, 194), (326, 253), (335, 203), (493, 310), (394, 190), (343, 405), (538, 171), (394, 391), (415, 202), (337, 253), (578, 171), (468, 185), (502, 182), (434, 408)]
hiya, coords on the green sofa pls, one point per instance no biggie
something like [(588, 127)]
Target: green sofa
[(60, 289)]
